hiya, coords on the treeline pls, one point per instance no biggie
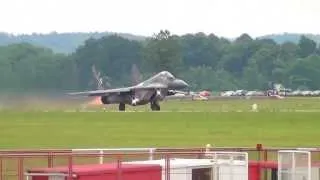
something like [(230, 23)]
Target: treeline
[(59, 42), (205, 61), (290, 37), (68, 42)]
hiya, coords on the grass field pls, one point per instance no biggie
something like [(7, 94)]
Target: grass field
[(221, 123)]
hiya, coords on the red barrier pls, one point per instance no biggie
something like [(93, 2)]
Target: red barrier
[(51, 157)]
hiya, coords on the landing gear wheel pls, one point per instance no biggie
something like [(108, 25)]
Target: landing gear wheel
[(155, 106), (122, 107)]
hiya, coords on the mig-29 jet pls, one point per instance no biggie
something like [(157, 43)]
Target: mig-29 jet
[(152, 90)]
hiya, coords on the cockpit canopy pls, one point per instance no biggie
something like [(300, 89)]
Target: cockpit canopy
[(166, 75)]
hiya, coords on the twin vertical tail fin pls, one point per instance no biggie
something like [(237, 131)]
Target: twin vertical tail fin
[(99, 85), (97, 76), (136, 77)]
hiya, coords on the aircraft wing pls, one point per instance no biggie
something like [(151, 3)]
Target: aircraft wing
[(118, 90), (101, 92)]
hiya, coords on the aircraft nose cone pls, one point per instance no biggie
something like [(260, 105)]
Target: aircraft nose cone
[(184, 83), (180, 84)]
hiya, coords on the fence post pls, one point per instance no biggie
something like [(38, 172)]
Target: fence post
[(20, 168), (0, 167), (151, 153), (167, 167), (119, 167), (259, 148), (70, 167), (265, 159), (50, 159), (101, 156)]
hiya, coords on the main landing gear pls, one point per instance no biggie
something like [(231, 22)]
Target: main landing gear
[(155, 106)]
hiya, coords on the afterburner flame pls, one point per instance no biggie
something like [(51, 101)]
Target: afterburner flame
[(95, 101)]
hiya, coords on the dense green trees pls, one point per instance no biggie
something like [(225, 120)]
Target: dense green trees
[(112, 55), (26, 67), (205, 61), (59, 42)]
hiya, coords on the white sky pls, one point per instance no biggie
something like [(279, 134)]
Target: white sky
[(228, 18)]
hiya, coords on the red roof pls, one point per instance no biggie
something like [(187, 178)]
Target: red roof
[(274, 164), (264, 164), (97, 168)]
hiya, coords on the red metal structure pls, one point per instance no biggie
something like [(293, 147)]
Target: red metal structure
[(100, 172), (256, 167), (15, 163)]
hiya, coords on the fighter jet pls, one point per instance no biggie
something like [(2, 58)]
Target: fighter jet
[(152, 90)]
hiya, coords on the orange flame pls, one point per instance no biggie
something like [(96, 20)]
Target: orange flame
[(95, 101)]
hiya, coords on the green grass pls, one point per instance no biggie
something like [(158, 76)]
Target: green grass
[(217, 105), (160, 129), (219, 122)]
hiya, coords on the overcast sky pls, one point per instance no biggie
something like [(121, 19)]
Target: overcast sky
[(228, 18)]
